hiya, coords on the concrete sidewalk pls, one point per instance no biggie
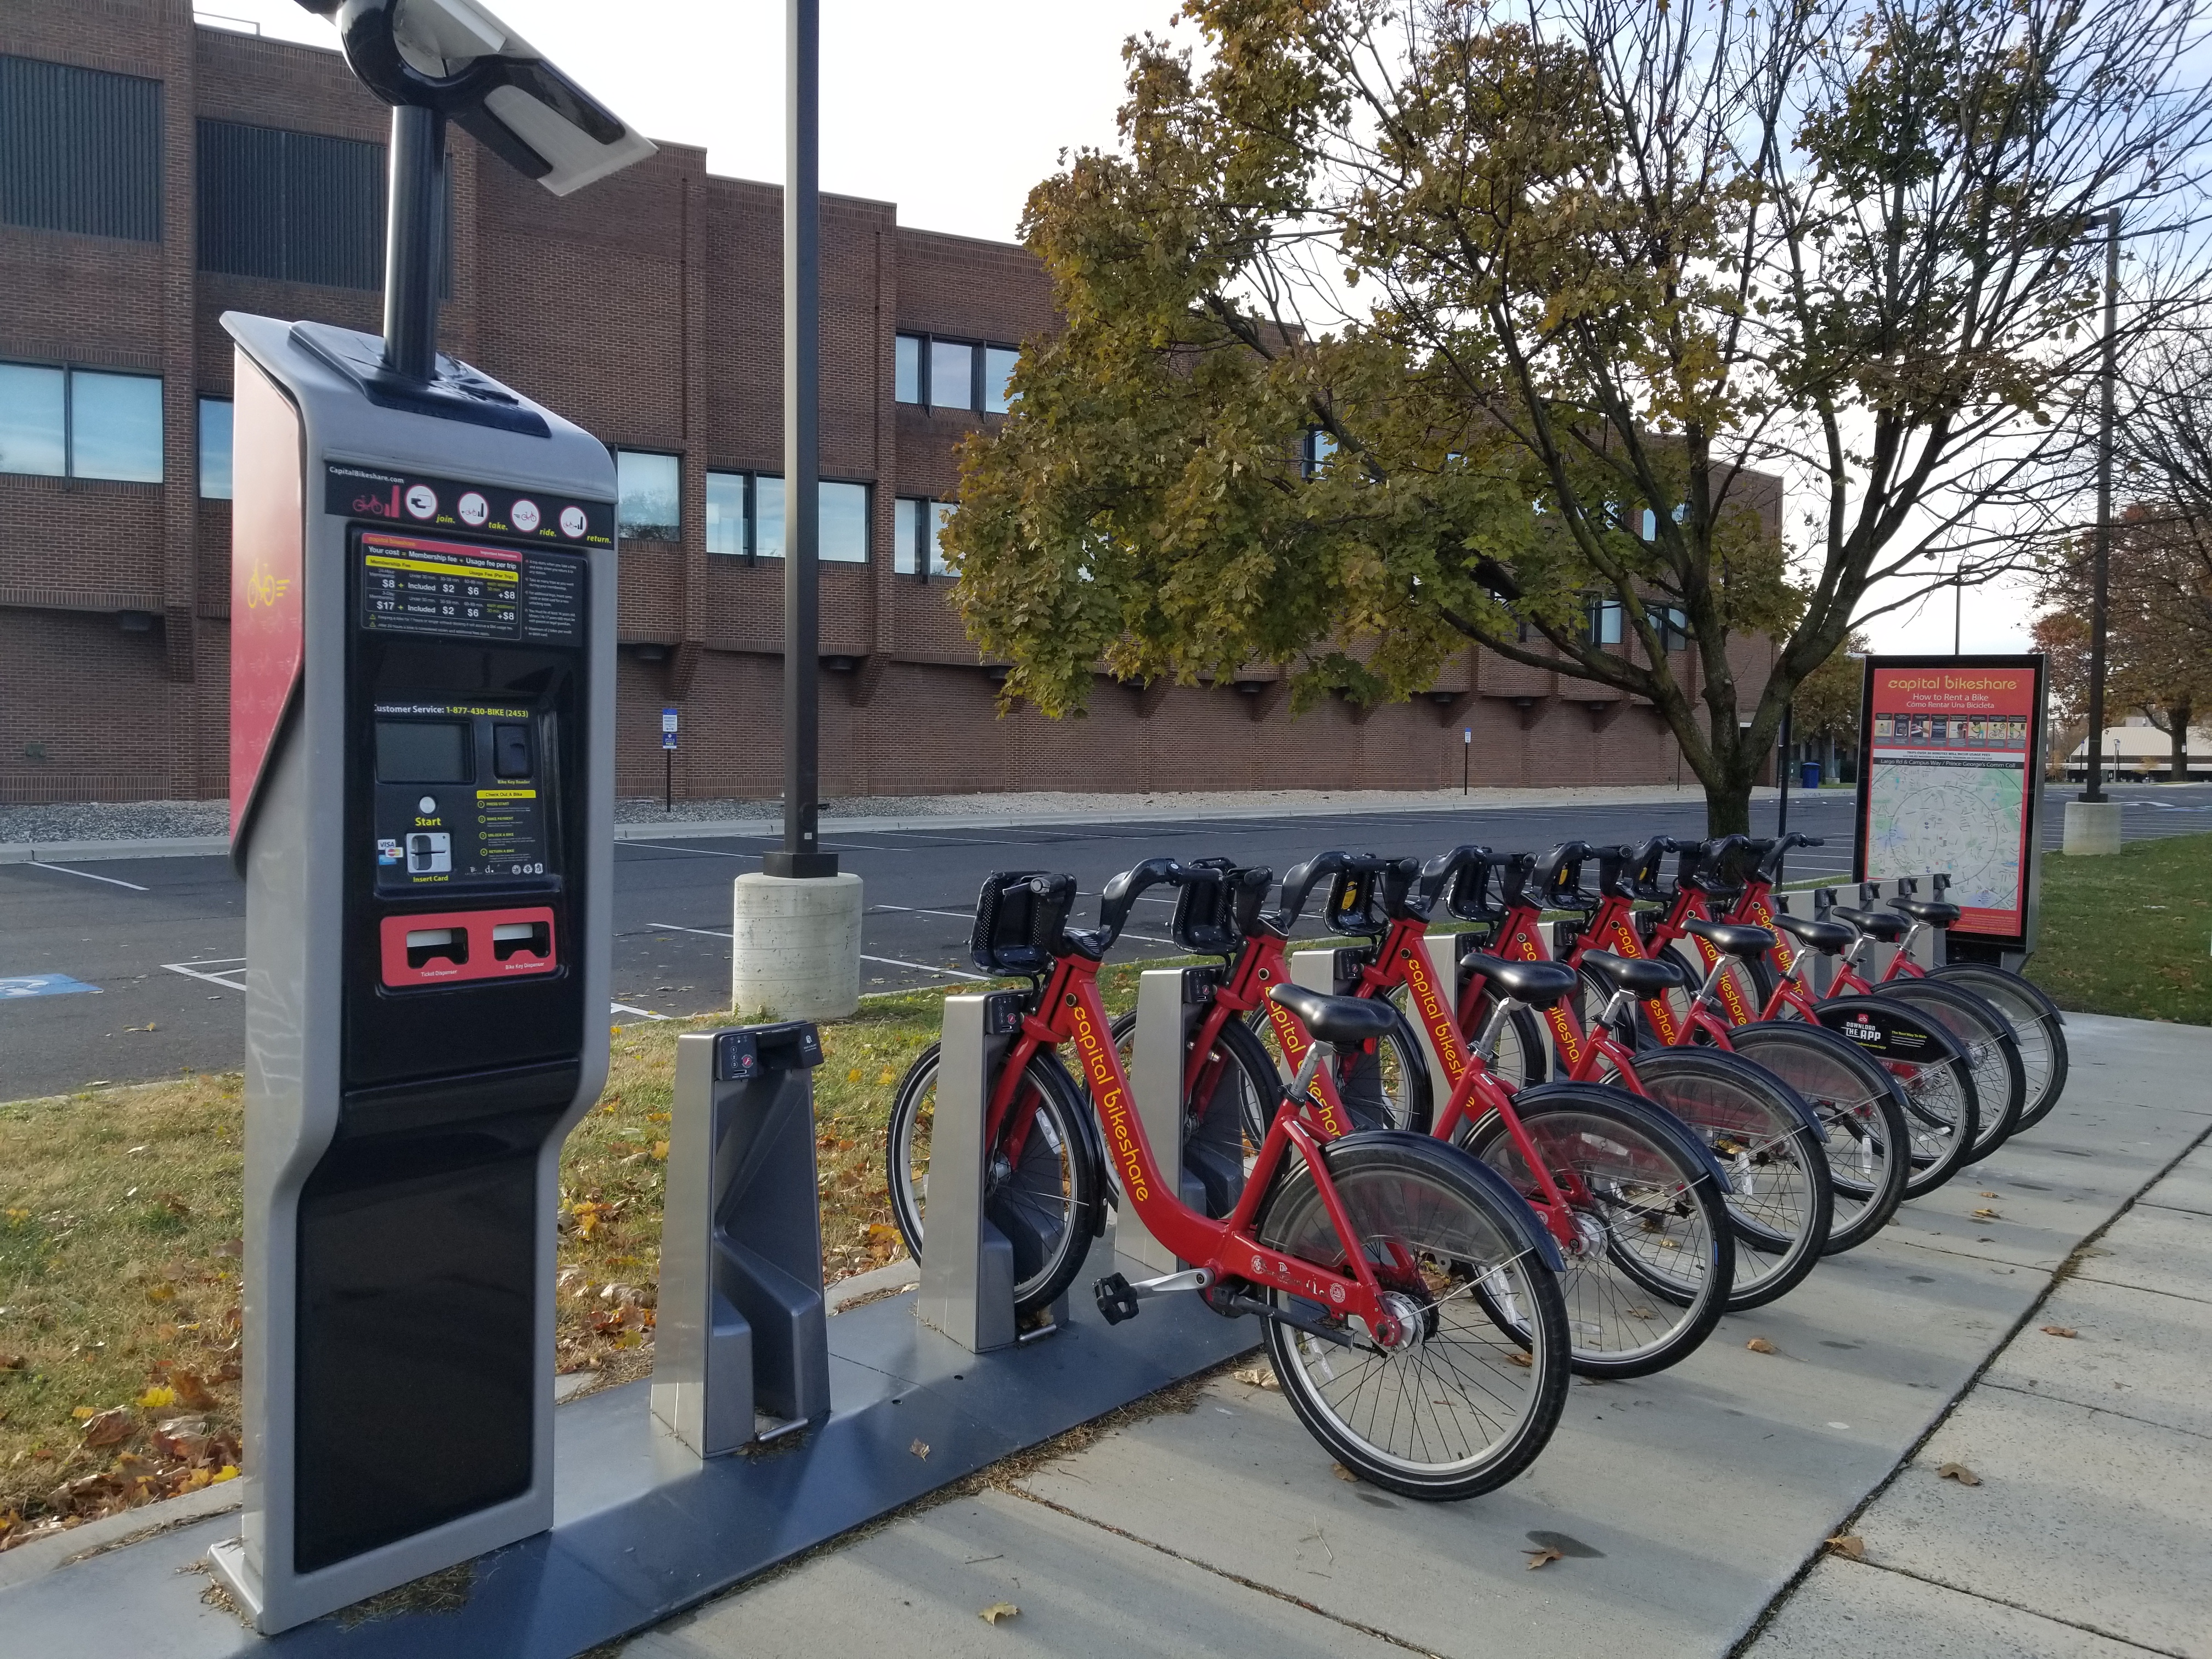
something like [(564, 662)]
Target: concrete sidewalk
[(1688, 1506)]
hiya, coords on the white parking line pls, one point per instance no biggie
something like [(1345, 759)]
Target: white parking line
[(703, 851), (923, 910), (643, 1013), (671, 927), (234, 965), (40, 864), (923, 967)]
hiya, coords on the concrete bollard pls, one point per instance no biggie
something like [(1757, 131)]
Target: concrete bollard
[(2093, 828), (795, 946)]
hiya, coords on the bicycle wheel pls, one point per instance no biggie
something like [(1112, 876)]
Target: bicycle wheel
[(1647, 1276), (1862, 1109), (1779, 1199), (1047, 1202), (1221, 1132), (2037, 1027), (1385, 1084), (1985, 1036), (1460, 1406)]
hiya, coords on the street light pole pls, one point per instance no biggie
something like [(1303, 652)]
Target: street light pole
[(800, 854), (2102, 564)]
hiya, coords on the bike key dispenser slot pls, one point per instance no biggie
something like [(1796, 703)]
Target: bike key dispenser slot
[(741, 1345)]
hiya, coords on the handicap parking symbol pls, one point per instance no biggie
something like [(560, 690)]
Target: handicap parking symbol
[(41, 985)]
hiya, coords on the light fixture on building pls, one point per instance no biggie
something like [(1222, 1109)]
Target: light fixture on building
[(135, 622), (650, 653), (839, 664)]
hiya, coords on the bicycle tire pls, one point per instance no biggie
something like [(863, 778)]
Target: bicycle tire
[(2037, 1026), (1862, 1108), (1050, 1231), (1779, 1199), (1653, 1204), (1409, 1436), (1985, 1036)]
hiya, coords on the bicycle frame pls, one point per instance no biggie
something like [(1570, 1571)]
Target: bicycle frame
[(1070, 1011)]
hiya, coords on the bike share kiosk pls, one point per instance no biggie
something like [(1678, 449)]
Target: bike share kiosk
[(421, 788)]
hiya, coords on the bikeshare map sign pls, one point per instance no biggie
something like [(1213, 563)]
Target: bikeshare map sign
[(1948, 780)]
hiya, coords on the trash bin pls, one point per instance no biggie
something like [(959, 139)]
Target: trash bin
[(1808, 775)]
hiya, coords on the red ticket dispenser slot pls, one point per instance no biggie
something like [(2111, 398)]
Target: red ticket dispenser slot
[(448, 947)]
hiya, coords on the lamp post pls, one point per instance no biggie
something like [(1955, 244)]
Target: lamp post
[(2092, 823)]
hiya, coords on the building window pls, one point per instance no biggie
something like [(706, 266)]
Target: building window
[(1674, 625), (999, 365), (1318, 447), (768, 515), (953, 374), (907, 369), (299, 207), (1604, 626), (79, 423), (80, 150), (651, 493), (842, 534), (726, 513), (918, 539), (214, 448)]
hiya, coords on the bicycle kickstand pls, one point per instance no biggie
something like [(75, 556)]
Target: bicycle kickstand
[(1118, 1298)]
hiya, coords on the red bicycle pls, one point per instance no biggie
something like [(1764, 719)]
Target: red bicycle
[(1409, 1297), (1862, 1108), (1625, 1195), (1736, 871)]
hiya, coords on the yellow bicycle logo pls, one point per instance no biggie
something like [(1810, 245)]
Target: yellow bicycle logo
[(263, 589)]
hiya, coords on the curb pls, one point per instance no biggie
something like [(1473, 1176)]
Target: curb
[(86, 852), (29, 1561)]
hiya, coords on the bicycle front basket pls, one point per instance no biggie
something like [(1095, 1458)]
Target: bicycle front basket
[(1005, 941), (1205, 914), (1353, 900)]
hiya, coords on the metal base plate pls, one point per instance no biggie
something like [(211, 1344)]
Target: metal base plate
[(642, 1528)]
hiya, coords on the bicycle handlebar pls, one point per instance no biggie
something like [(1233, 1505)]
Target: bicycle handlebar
[(1772, 853), (1120, 897)]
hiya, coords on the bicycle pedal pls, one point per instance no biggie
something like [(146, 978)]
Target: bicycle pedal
[(1117, 1299)]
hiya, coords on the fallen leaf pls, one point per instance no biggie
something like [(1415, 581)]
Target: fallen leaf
[(998, 1610), (192, 1392), (227, 1471), (1343, 1474), (1761, 1345), (110, 1428), (1539, 1558), (2060, 1330), (1514, 1356), (1258, 1377), (83, 1414), (157, 1397), (1985, 1195), (1638, 1313), (1987, 1215), (1959, 1472), (1849, 1544), (920, 1448), (12, 1361), (852, 1076), (660, 1151)]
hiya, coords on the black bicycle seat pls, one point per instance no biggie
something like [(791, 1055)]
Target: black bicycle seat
[(1829, 937), (1933, 912), (1884, 925), (1734, 939), (1640, 976), (1539, 984), (1339, 1020)]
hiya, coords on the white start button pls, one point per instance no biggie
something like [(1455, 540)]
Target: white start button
[(428, 806), (525, 516), (422, 500)]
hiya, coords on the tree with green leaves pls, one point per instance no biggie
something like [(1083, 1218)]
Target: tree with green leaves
[(1390, 329)]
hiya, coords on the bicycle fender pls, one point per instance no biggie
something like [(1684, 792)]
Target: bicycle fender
[(1655, 1118), (1672, 1060), (1888, 1029), (1534, 1236)]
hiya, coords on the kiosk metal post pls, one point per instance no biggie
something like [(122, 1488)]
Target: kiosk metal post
[(967, 1288), (422, 778)]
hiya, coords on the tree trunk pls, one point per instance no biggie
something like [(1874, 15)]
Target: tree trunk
[(2176, 720), (1728, 807)]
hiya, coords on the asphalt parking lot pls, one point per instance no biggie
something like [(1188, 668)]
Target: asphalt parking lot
[(157, 944)]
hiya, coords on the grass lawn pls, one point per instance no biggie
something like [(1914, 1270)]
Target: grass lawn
[(119, 1242), (2130, 934)]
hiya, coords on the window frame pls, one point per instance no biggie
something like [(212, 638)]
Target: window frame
[(68, 371), (200, 446), (978, 392), (924, 537), (753, 554), (620, 450)]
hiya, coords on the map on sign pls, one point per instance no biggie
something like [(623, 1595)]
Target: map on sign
[(1963, 819), (1948, 784)]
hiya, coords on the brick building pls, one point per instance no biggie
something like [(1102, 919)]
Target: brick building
[(155, 172)]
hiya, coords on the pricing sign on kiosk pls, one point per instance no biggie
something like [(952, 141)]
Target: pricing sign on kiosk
[(421, 777)]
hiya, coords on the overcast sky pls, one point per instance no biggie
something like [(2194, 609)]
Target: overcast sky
[(951, 110)]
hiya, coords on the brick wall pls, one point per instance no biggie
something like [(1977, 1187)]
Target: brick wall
[(647, 308)]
